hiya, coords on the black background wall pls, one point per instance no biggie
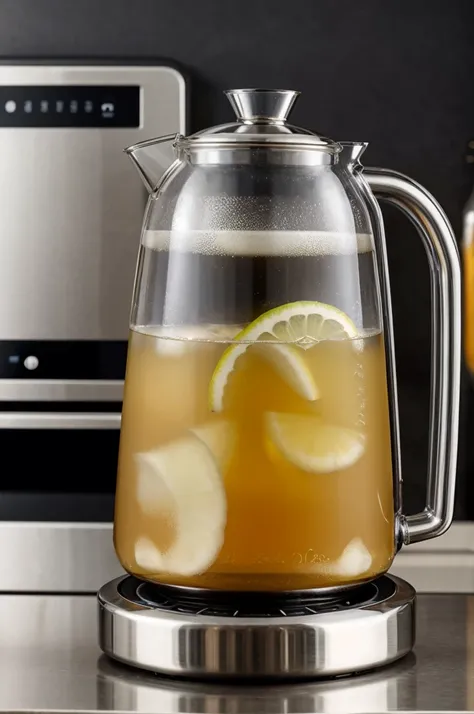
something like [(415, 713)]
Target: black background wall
[(397, 73)]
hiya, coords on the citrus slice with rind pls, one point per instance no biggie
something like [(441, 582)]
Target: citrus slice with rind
[(303, 323), (182, 481), (311, 444), (289, 364)]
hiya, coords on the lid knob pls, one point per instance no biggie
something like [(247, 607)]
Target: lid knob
[(262, 105)]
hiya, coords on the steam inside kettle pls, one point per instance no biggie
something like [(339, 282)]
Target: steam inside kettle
[(235, 274)]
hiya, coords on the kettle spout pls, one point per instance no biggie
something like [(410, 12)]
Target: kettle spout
[(351, 154), (151, 159)]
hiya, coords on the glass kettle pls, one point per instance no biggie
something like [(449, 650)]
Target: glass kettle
[(259, 448)]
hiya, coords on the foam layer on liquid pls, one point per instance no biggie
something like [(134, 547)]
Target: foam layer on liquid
[(258, 243)]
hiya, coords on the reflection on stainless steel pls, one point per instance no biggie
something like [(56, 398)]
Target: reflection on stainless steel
[(375, 629), (60, 420), (61, 390), (441, 248), (121, 689), (50, 660)]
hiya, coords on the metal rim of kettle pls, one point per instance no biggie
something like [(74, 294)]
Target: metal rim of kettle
[(255, 141), (239, 152), (291, 149)]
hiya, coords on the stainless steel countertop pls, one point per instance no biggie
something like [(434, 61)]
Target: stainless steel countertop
[(50, 661)]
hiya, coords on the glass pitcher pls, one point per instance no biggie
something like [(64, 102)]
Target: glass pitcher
[(468, 268), (259, 447)]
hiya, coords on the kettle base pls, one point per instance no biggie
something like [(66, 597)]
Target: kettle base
[(256, 636)]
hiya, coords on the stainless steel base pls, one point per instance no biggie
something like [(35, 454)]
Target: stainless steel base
[(373, 625)]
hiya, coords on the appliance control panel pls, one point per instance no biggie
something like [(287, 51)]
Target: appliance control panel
[(71, 208), (75, 106)]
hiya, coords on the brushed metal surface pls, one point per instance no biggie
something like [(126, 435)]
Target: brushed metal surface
[(56, 557), (172, 642), (50, 661), (58, 390), (71, 208), (60, 420)]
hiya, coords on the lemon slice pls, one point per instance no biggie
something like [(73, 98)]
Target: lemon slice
[(311, 444), (354, 560), (183, 479), (303, 323), (286, 360)]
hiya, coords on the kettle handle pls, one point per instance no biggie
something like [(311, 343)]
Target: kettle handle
[(445, 273)]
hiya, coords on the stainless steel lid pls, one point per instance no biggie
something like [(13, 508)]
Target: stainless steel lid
[(261, 122)]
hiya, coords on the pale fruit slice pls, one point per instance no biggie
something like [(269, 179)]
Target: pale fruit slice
[(354, 560), (220, 438), (289, 364), (181, 480), (147, 556), (311, 444), (303, 323)]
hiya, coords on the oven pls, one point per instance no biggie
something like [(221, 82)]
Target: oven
[(71, 207)]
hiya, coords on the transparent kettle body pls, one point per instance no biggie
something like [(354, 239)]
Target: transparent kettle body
[(468, 268), (259, 443)]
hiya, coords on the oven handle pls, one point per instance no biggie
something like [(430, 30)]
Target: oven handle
[(60, 420)]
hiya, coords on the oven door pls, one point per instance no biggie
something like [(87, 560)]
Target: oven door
[(59, 444)]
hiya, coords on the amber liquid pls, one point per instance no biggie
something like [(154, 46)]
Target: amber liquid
[(468, 265), (282, 523)]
